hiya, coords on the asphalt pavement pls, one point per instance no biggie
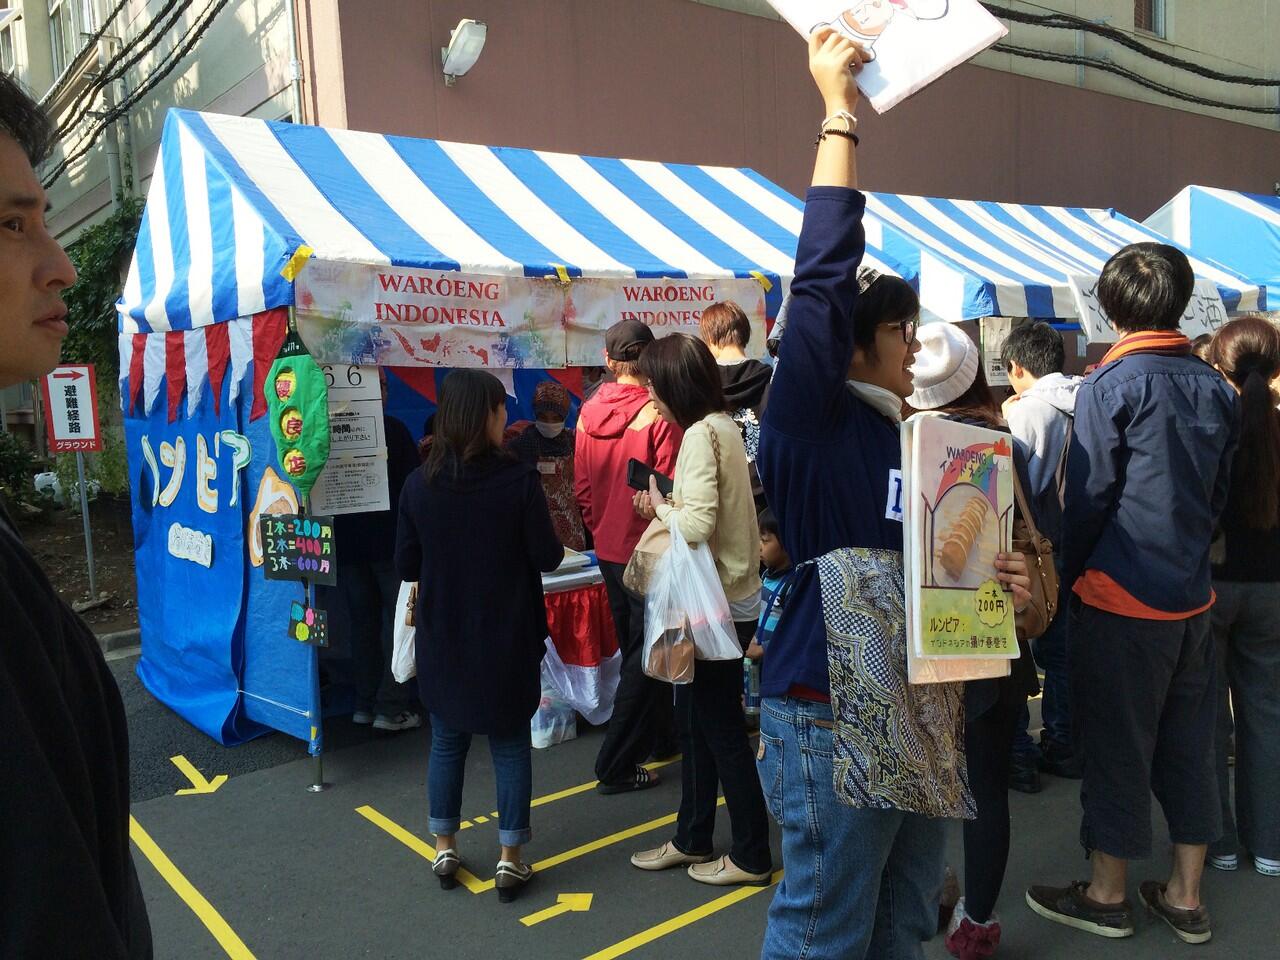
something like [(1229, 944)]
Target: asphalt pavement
[(263, 868)]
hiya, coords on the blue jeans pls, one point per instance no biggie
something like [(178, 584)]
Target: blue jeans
[(858, 883), (512, 768), (1050, 652)]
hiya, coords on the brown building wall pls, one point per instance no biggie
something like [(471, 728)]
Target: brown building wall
[(684, 82)]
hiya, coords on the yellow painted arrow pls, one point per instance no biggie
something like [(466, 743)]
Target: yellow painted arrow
[(568, 903), (198, 783)]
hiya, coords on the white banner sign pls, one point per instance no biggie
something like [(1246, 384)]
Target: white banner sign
[(354, 480), (995, 331), (665, 305), (913, 42), (404, 317), (1204, 314)]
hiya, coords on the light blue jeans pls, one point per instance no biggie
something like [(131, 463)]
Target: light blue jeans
[(859, 884), (512, 768)]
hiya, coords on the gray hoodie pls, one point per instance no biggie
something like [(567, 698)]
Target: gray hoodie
[(1040, 420)]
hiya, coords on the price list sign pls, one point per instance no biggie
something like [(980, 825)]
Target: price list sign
[(299, 548)]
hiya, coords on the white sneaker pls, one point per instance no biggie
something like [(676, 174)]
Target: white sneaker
[(1268, 868), (405, 720), (1227, 861)]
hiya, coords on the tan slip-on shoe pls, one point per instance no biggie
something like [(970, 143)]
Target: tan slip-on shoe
[(665, 857), (723, 872)]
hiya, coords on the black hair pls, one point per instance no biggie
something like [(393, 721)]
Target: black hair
[(22, 118), (1036, 347), (467, 399), (684, 376), (1247, 351), (1146, 286), (769, 523), (888, 299)]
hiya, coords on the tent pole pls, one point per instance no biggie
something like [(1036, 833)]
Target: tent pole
[(318, 785)]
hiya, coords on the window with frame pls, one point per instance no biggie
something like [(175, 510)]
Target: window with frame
[(1148, 16), (7, 63), (62, 35)]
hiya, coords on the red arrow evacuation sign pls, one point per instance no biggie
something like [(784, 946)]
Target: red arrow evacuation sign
[(71, 409)]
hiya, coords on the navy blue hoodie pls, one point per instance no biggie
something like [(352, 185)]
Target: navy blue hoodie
[(826, 458)]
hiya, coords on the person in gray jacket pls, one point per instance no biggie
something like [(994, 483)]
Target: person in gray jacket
[(1040, 415)]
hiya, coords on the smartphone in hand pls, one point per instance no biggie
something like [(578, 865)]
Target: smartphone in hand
[(638, 477)]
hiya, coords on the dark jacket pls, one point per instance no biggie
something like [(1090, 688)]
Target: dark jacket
[(1147, 477), (826, 457), (477, 544), (67, 882), (745, 384)]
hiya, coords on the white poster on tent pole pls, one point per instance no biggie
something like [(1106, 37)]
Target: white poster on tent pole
[(354, 479), (995, 331), (1205, 312), (912, 42)]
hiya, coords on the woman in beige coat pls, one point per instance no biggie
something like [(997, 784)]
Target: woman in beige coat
[(712, 504)]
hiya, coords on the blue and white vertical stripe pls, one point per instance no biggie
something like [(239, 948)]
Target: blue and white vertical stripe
[(1241, 230), (972, 259), (232, 199)]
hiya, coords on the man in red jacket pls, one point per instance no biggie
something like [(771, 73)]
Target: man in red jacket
[(618, 423)]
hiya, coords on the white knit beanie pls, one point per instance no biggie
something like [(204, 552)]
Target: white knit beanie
[(945, 367)]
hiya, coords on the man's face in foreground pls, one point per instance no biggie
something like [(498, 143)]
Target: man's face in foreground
[(34, 270)]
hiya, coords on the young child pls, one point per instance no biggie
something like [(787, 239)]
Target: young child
[(777, 565)]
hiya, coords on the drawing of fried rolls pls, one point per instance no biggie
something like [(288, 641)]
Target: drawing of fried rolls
[(964, 533)]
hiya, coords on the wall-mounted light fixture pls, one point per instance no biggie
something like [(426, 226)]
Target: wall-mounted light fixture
[(466, 40)]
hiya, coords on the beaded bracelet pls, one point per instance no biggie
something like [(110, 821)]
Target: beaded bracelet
[(837, 133)]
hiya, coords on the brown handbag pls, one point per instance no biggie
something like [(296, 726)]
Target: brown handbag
[(1038, 549), (411, 607), (672, 657)]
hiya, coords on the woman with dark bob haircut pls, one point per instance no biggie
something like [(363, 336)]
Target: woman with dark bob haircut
[(711, 503), (476, 535)]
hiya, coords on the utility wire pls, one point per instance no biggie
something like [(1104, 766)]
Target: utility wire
[(175, 57), (1065, 21), (116, 67), (1109, 67)]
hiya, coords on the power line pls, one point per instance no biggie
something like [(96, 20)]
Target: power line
[(175, 56), (1065, 21), (1109, 67)]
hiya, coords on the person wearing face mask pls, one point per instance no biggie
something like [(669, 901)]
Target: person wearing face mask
[(548, 445)]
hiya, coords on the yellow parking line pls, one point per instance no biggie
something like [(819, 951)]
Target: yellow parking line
[(476, 885), (563, 794), (192, 897), (683, 920)]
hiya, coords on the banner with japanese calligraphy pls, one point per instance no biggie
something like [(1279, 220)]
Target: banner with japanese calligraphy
[(958, 511)]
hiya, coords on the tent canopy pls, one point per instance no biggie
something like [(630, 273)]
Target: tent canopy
[(972, 259), (237, 205), (1241, 230)]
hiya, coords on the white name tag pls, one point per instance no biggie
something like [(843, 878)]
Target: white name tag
[(546, 466), (893, 504)]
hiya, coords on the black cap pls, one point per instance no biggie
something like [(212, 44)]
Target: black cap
[(625, 339)]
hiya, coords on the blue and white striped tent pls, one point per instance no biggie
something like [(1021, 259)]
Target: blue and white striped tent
[(233, 200), (971, 259), (1241, 230)]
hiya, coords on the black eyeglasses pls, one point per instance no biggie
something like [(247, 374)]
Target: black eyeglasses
[(908, 327)]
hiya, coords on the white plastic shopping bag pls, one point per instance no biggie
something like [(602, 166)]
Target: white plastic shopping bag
[(556, 721), (668, 647), (589, 690), (404, 665), (701, 598)]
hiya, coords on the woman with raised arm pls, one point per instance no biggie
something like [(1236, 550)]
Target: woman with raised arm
[(863, 857)]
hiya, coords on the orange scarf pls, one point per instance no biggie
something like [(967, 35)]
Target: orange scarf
[(1168, 343)]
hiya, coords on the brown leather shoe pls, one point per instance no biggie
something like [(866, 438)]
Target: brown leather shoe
[(1191, 926), (1072, 907)]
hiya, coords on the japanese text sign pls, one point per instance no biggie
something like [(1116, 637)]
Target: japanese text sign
[(71, 409), (298, 548)]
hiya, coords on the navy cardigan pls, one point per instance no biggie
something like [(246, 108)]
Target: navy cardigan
[(477, 544), (826, 457)]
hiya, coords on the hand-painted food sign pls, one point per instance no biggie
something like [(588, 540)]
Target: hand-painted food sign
[(297, 399), (298, 548)]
